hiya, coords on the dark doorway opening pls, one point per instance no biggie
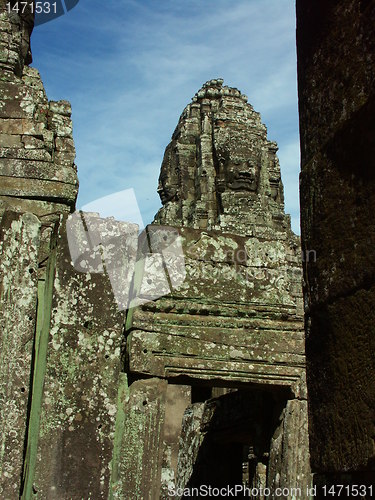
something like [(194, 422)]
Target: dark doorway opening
[(236, 431)]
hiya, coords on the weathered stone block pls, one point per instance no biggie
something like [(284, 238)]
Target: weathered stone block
[(61, 124), (10, 141), (31, 142), (48, 210), (43, 169), (79, 404), (62, 108), (342, 395), (289, 464), (22, 126), (65, 144), (19, 248), (37, 188), (138, 470)]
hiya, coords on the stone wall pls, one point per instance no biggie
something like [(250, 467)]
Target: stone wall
[(58, 374), (336, 72), (37, 170)]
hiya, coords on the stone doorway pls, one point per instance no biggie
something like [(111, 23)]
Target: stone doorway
[(226, 441)]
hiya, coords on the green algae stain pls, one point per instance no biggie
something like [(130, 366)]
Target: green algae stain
[(45, 290), (115, 483)]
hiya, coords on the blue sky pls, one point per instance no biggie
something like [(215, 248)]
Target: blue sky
[(129, 67)]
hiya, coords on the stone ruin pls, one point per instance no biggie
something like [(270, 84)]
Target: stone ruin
[(205, 385)]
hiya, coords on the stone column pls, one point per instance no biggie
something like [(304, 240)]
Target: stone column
[(19, 248), (178, 398), (76, 373), (289, 464), (139, 440), (336, 73)]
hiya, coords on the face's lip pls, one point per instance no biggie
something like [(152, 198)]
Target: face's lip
[(161, 192), (163, 196), (245, 175), (243, 180)]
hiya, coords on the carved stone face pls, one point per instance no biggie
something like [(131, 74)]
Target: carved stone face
[(169, 178), (240, 173)]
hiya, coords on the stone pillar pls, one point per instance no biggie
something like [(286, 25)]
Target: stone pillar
[(189, 444), (178, 398), (139, 440), (76, 373), (289, 464), (336, 73), (19, 248)]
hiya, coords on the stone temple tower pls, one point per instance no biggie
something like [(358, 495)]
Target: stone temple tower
[(216, 368), (220, 171)]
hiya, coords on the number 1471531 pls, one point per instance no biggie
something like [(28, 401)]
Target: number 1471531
[(354, 490), (37, 7)]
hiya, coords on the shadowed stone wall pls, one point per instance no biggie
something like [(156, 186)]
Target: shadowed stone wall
[(336, 74)]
